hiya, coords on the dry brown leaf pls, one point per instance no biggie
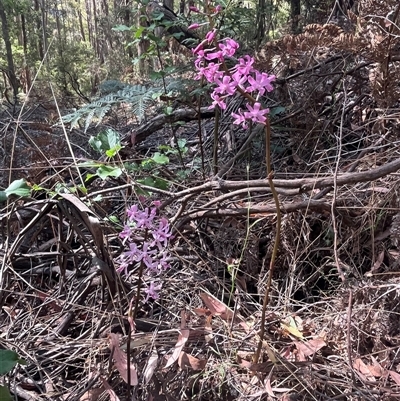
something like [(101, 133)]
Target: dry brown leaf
[(109, 389), (183, 337), (216, 307), (93, 394), (268, 387), (121, 361), (297, 159), (201, 312), (45, 298), (376, 265), (395, 377), (150, 367), (243, 363), (310, 347), (365, 370), (208, 329), (376, 369), (188, 361)]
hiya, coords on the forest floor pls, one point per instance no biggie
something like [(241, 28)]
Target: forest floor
[(332, 325)]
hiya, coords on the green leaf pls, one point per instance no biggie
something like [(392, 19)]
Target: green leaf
[(8, 359), (121, 28), (108, 171), (154, 182), (112, 152), (90, 164), (89, 176), (182, 143), (276, 110), (95, 143), (157, 75), (36, 187), (160, 158), (5, 394), (139, 31), (113, 219), (18, 188), (107, 141)]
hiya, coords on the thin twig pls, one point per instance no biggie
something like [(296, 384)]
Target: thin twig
[(335, 189)]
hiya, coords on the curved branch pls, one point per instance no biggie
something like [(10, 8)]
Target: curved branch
[(296, 186), (255, 210)]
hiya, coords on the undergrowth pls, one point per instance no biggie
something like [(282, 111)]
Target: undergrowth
[(321, 182)]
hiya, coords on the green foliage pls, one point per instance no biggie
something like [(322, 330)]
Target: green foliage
[(139, 97), (181, 149), (8, 359), (5, 394), (102, 170), (238, 21), (159, 158), (107, 141), (71, 66), (111, 86), (17, 188)]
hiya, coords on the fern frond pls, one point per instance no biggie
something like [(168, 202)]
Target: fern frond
[(138, 97)]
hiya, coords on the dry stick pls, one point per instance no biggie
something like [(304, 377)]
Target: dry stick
[(200, 133), (302, 184), (215, 148), (335, 188), (387, 64), (276, 243), (348, 337), (174, 129), (243, 149)]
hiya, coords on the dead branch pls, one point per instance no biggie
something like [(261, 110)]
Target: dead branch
[(159, 121)]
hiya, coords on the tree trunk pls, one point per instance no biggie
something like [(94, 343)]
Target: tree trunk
[(10, 60), (39, 28), (44, 27), (295, 14), (260, 22), (127, 21), (27, 72)]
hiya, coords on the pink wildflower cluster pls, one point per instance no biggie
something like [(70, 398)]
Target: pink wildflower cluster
[(243, 76), (151, 250)]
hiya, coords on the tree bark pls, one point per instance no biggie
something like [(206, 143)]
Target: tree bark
[(295, 9), (260, 22), (10, 59)]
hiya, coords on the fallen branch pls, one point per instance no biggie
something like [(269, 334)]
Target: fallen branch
[(156, 123), (297, 186)]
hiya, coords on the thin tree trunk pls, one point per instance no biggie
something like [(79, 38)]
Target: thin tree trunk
[(44, 26), (10, 60), (39, 28), (260, 23), (82, 29), (27, 72), (295, 14), (127, 21)]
